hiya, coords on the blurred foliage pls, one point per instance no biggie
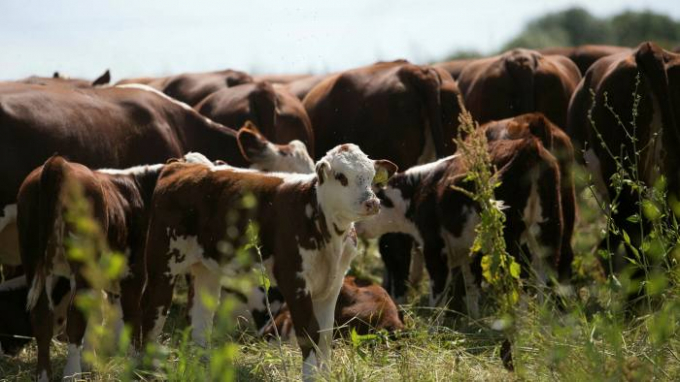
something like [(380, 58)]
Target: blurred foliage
[(576, 26)]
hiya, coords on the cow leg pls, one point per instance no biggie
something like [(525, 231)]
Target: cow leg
[(395, 251), (296, 295), (157, 300), (324, 311), (438, 269), (206, 283), (41, 319), (472, 292), (75, 330)]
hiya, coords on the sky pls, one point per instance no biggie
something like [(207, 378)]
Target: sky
[(134, 38)]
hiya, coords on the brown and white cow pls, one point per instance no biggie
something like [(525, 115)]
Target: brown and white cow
[(278, 114), (585, 56), (191, 88), (116, 127), (656, 130), (517, 82), (362, 306), (421, 202), (400, 267), (304, 223), (558, 143), (120, 201)]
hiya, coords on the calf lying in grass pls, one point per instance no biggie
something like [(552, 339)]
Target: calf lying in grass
[(362, 306), (426, 202)]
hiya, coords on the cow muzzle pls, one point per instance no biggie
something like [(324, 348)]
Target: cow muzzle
[(371, 206)]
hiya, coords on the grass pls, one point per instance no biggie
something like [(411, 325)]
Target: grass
[(550, 345)]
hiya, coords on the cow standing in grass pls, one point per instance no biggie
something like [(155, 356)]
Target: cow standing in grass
[(304, 224)]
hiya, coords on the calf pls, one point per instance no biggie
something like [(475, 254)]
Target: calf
[(362, 306), (304, 223), (15, 321), (423, 203), (120, 201)]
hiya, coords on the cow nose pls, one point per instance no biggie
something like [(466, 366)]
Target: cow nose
[(372, 206)]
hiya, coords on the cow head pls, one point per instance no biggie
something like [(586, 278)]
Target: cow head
[(267, 156), (346, 177)]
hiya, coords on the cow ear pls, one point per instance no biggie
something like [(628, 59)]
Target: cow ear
[(104, 79), (323, 169), (384, 170), (252, 144)]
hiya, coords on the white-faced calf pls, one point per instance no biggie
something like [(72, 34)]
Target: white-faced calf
[(199, 217)]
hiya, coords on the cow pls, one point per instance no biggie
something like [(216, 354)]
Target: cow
[(598, 133), (584, 56), (517, 82), (362, 306), (556, 141), (400, 267), (395, 110), (278, 114), (191, 88), (15, 322), (119, 201), (280, 78), (302, 86), (455, 67), (304, 223), (426, 202), (58, 79), (116, 127)]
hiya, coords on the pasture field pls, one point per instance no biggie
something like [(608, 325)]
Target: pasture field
[(596, 334)]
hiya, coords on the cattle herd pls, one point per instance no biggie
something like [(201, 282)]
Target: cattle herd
[(328, 160)]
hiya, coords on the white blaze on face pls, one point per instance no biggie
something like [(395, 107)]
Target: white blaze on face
[(345, 164)]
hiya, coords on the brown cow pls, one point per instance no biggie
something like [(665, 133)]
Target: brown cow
[(278, 114), (305, 226), (656, 131), (280, 78), (191, 88), (115, 128), (585, 56), (362, 306), (301, 87), (455, 67), (60, 80), (395, 110), (517, 82), (423, 203)]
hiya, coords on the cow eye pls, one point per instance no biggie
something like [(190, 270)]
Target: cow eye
[(341, 178)]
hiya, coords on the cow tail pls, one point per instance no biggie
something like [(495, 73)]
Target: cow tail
[(521, 66), (263, 108), (429, 85), (51, 181), (650, 61)]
